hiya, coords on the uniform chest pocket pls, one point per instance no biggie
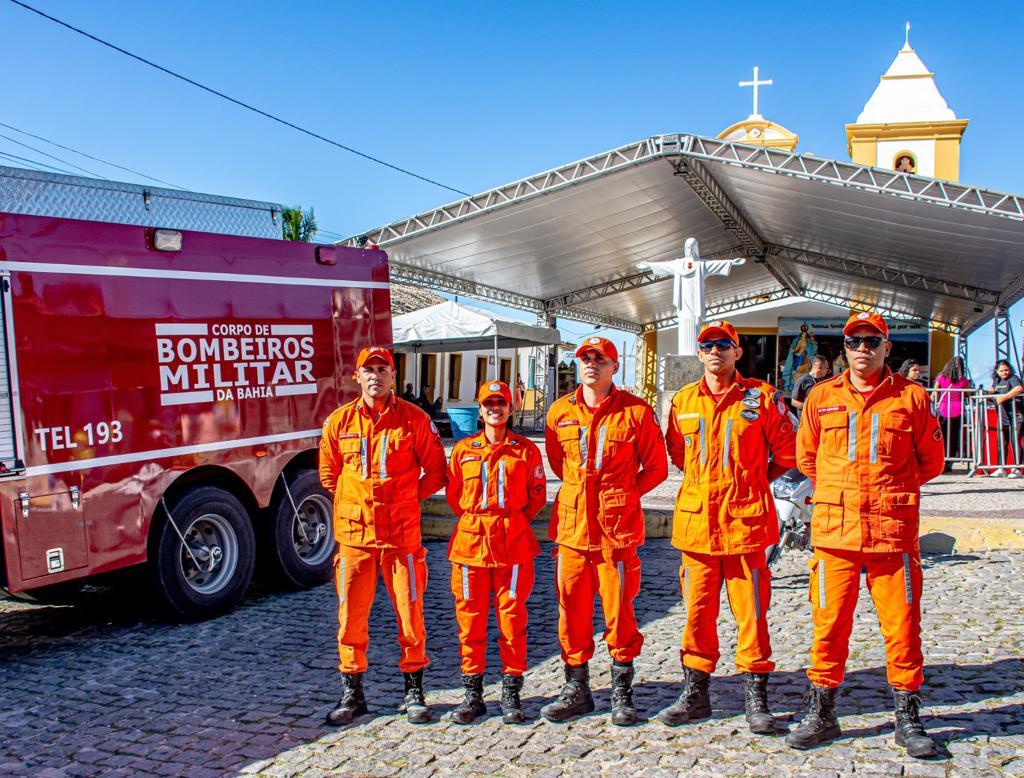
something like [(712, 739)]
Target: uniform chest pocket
[(619, 441), (896, 438), (692, 431), (352, 451), (835, 434), (395, 453), (569, 441)]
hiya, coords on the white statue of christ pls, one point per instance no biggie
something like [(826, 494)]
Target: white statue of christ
[(688, 273)]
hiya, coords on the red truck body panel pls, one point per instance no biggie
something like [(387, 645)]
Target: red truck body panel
[(131, 366)]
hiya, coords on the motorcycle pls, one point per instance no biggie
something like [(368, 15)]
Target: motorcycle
[(792, 491)]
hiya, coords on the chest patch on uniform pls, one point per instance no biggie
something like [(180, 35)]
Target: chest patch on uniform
[(753, 392), (751, 403), (688, 440), (466, 459), (476, 444), (569, 423), (831, 409), (749, 415), (346, 435)]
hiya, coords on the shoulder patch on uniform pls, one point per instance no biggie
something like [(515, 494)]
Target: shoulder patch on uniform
[(937, 435), (433, 428), (344, 435), (568, 423), (831, 409), (538, 472), (780, 406)]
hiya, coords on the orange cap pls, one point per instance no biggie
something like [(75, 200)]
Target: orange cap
[(600, 345), (866, 319), (494, 389), (375, 352), (718, 329)]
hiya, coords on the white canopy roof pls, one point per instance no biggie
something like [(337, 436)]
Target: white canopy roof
[(450, 326)]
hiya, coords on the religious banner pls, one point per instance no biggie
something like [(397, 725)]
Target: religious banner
[(800, 339)]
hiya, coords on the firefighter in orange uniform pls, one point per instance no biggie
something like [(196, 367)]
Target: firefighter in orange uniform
[(380, 455), (868, 441), (496, 485), (731, 436), (607, 447)]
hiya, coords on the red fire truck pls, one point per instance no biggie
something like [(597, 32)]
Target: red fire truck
[(166, 362)]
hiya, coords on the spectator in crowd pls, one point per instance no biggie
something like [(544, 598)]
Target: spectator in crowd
[(1008, 389), (911, 370), (409, 395), (819, 372), (952, 384)]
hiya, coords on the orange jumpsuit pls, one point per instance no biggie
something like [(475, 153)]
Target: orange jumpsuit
[(495, 491), (607, 458), (374, 470), (868, 458), (725, 515)]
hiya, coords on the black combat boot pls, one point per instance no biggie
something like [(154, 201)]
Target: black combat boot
[(755, 702), (820, 724), (574, 699), (693, 704), (909, 731), (415, 705), (511, 707), (473, 705), (352, 702), (623, 710)]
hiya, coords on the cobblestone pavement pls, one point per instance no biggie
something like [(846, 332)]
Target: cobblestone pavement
[(107, 688)]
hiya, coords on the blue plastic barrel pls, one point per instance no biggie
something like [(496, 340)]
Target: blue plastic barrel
[(463, 421)]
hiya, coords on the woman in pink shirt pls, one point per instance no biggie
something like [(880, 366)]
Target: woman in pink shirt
[(951, 406)]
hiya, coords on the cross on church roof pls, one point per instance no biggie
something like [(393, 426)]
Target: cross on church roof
[(755, 83)]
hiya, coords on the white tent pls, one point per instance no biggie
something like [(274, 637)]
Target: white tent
[(450, 326)]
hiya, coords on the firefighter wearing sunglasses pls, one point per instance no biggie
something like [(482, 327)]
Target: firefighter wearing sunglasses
[(730, 436), (868, 441)]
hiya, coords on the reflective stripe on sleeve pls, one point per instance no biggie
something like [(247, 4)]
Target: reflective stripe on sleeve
[(874, 438), (686, 581), (483, 485), (851, 444), (558, 572), (514, 583), (757, 594), (728, 442), (412, 577), (600, 449), (465, 582), (501, 484), (907, 585), (622, 581), (384, 457), (363, 458)]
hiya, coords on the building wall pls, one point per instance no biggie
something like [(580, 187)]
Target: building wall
[(923, 150)]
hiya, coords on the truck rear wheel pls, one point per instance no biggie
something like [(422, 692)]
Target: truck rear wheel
[(210, 572), (300, 534)]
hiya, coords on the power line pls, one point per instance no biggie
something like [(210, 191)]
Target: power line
[(239, 103), (40, 151), (34, 164), (90, 156)]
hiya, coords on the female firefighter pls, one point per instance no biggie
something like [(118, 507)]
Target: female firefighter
[(497, 486)]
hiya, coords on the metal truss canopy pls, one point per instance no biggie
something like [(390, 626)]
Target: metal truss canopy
[(566, 242)]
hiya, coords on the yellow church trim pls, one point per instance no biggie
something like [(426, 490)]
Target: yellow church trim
[(754, 132)]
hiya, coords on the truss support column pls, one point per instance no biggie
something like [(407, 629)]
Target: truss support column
[(960, 346), (545, 377), (1004, 337), (647, 368)]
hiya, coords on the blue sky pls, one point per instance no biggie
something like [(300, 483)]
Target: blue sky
[(476, 94)]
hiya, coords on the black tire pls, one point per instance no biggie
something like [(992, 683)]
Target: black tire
[(215, 524), (300, 545)]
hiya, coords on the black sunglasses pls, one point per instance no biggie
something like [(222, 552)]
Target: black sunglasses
[(872, 342), (723, 345)]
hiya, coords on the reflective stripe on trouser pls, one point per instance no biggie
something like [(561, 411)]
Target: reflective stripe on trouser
[(474, 588), (748, 584), (579, 575), (897, 603), (355, 579)]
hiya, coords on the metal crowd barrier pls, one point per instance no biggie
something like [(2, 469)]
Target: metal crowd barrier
[(985, 435), (958, 429)]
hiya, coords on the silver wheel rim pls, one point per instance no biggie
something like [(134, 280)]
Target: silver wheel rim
[(311, 530), (209, 558)]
